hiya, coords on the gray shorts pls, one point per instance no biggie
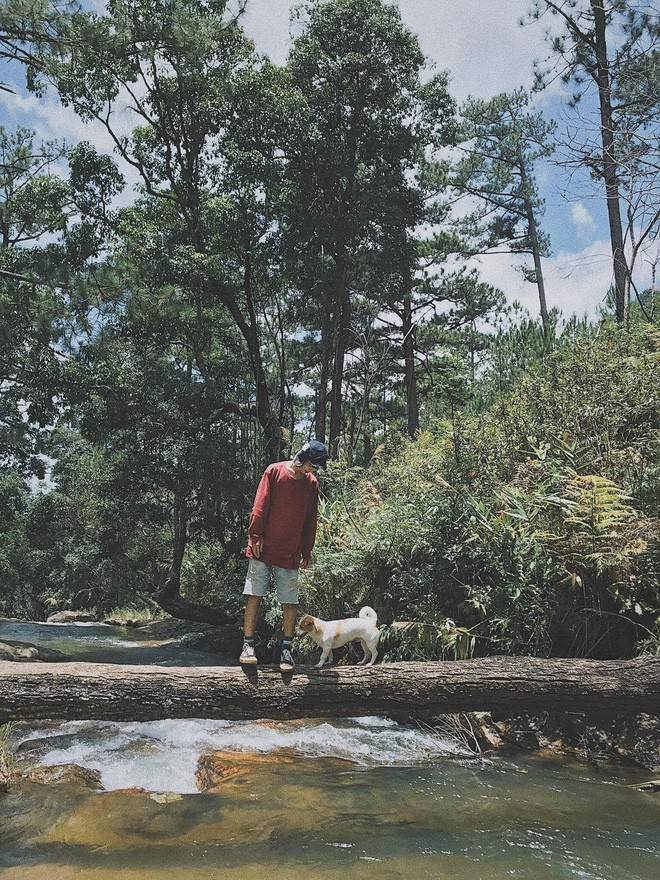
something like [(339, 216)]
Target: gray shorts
[(258, 579)]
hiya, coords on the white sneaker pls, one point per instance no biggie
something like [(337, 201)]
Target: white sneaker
[(286, 661), (247, 654)]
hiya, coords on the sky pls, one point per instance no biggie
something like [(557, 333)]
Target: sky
[(486, 51)]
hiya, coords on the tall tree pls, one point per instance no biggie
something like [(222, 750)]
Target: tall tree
[(501, 142), (203, 146), (351, 198), (598, 42), (54, 214), (638, 146)]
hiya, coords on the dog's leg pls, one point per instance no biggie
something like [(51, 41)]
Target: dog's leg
[(367, 652), (373, 650), (327, 652)]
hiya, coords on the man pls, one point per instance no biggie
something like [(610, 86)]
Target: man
[(281, 535)]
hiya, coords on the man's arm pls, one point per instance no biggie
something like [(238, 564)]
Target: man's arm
[(309, 528), (259, 515)]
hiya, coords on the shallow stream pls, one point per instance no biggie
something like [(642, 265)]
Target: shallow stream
[(360, 798)]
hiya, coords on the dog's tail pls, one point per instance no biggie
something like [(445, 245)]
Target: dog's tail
[(368, 613)]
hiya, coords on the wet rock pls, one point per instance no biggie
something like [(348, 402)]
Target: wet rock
[(5, 775), (274, 724), (652, 785), (165, 797), (218, 769), (25, 652), (173, 628), (36, 745), (72, 617), (639, 741), (634, 738), (481, 726), (226, 640), (221, 767), (122, 820), (59, 774), (122, 621)]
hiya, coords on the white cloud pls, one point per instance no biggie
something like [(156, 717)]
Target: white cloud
[(576, 282), (53, 122), (581, 217), (481, 43)]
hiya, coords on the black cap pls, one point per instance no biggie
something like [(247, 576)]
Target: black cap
[(314, 452)]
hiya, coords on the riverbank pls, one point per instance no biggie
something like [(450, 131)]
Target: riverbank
[(618, 739)]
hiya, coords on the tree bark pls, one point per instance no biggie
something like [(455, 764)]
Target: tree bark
[(74, 691), (341, 341), (267, 417), (532, 231), (609, 160), (410, 376), (169, 594), (321, 410)]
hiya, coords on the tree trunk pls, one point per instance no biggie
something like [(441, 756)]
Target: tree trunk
[(265, 413), (74, 691), (532, 231), (410, 377), (321, 411), (342, 330), (609, 164), (249, 329), (169, 595)]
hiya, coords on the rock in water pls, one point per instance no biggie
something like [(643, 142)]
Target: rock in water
[(72, 617), (26, 652), (59, 774)]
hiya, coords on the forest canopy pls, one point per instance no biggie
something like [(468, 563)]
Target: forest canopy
[(277, 252)]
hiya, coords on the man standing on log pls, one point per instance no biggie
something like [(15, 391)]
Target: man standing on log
[(281, 535)]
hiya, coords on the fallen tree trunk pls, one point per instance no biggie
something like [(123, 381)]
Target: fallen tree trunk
[(69, 691)]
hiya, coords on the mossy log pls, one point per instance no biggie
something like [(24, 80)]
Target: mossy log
[(70, 691)]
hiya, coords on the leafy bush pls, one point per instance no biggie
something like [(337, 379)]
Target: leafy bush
[(531, 527)]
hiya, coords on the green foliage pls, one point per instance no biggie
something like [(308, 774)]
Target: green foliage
[(501, 143), (516, 525), (440, 640), (6, 756), (272, 270)]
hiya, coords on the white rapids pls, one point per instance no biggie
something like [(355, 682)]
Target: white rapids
[(163, 755)]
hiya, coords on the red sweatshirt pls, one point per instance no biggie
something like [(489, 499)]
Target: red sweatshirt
[(284, 516)]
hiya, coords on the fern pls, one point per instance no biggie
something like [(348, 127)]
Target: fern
[(597, 521)]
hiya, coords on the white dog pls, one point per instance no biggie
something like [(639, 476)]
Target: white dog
[(331, 634)]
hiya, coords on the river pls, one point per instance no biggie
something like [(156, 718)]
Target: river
[(359, 798)]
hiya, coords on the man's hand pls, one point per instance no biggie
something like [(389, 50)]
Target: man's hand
[(256, 548), (304, 563)]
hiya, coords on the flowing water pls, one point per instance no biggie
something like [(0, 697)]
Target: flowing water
[(326, 800)]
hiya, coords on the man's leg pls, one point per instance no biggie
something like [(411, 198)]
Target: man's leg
[(256, 586), (289, 613), (286, 582), (251, 615)]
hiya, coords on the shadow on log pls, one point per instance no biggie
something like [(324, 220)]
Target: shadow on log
[(70, 691)]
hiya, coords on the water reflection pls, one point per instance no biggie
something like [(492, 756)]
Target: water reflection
[(464, 820), (364, 799), (422, 815), (102, 643)]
